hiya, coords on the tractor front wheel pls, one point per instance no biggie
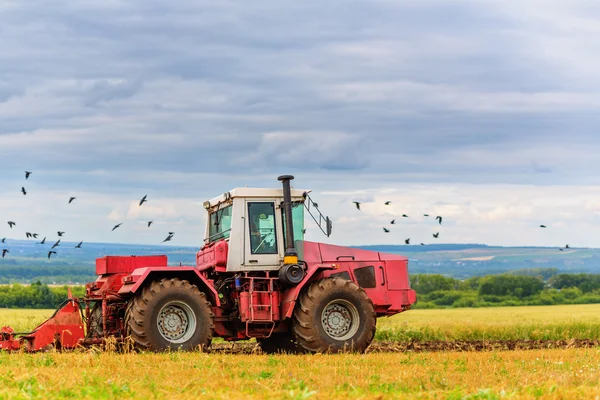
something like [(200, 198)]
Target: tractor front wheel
[(334, 315), (170, 314)]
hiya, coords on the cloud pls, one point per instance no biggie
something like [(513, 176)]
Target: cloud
[(313, 150), (184, 100), (107, 90)]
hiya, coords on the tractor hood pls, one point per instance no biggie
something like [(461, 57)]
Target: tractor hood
[(313, 252)]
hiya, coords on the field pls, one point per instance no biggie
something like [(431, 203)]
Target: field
[(547, 373)]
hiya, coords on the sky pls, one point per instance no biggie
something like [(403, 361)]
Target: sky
[(484, 112)]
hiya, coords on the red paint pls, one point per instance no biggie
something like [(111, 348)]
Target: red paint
[(127, 264), (63, 330), (140, 275), (391, 294), (244, 306), (212, 255)]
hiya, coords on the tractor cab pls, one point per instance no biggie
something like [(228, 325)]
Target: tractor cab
[(248, 230)]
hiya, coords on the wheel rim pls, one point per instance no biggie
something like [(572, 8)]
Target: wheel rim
[(340, 319), (176, 322)]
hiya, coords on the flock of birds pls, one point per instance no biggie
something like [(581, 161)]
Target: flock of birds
[(30, 235), (143, 200), (438, 218)]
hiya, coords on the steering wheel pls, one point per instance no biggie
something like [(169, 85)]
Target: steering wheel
[(263, 241)]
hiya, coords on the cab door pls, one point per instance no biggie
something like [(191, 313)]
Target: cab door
[(262, 230)]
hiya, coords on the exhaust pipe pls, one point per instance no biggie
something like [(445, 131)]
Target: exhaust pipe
[(290, 273)]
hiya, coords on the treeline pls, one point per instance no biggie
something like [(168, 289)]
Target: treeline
[(531, 287), (36, 295), (438, 291), (66, 274)]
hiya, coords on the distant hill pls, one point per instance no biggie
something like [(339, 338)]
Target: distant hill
[(466, 260), (28, 261)]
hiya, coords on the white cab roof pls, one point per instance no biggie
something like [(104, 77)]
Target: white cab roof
[(257, 193)]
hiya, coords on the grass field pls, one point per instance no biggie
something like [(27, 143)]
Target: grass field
[(498, 323), (502, 323), (553, 374)]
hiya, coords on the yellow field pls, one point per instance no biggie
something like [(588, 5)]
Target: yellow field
[(580, 321), (553, 374), (499, 323)]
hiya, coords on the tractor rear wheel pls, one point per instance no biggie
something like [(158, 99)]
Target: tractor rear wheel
[(280, 342), (170, 314), (334, 315)]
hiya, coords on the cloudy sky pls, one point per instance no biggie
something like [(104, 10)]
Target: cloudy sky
[(485, 112)]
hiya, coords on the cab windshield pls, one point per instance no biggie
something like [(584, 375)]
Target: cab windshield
[(298, 223), (220, 224)]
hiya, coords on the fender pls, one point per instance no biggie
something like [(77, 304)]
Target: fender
[(132, 283), (291, 295)]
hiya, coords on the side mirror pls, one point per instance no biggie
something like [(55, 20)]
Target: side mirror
[(329, 226)]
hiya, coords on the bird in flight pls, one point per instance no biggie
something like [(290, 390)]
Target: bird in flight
[(561, 249), (393, 221), (71, 199), (404, 216), (567, 247), (422, 244), (143, 200), (149, 223), (27, 173), (116, 226), (357, 204), (435, 235), (43, 240), (79, 245), (439, 219), (50, 253), (23, 191), (426, 215), (11, 224), (60, 233), (542, 226), (168, 239), (407, 241), (56, 244), (28, 235), (4, 251), (387, 203), (35, 235), (386, 230), (3, 239)]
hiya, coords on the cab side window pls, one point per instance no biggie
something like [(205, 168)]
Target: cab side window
[(261, 221)]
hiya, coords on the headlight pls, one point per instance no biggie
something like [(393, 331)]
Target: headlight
[(206, 205)]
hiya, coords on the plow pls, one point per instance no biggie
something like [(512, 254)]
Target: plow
[(64, 328), (254, 277)]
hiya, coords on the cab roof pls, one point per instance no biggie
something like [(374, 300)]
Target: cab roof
[(256, 193)]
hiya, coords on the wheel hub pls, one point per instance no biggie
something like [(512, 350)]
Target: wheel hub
[(176, 322), (340, 320)]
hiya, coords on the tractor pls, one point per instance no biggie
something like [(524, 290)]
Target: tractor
[(254, 277)]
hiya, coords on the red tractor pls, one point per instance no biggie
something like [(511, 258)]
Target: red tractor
[(255, 277)]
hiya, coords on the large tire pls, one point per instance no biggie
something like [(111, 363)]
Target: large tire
[(280, 342), (170, 314), (96, 328), (334, 315)]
